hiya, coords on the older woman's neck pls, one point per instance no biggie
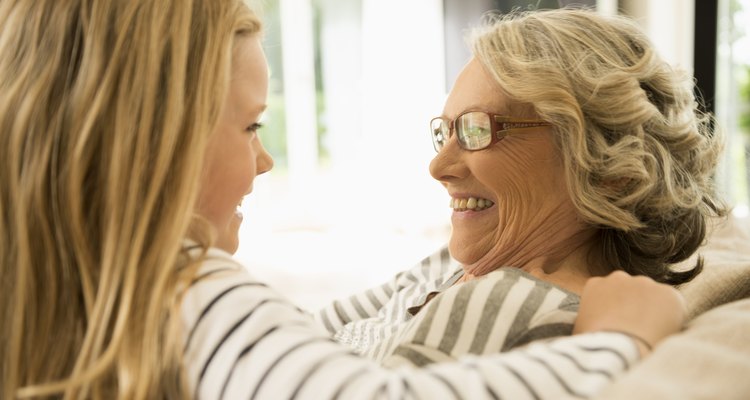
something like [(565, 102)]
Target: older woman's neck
[(571, 271), (562, 251)]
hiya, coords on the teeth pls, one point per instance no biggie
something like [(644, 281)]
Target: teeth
[(472, 203)]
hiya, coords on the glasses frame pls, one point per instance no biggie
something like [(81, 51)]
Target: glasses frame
[(500, 125)]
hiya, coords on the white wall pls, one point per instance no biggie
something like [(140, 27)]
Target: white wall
[(669, 24)]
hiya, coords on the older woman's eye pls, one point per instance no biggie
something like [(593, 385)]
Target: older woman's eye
[(475, 131), (474, 137)]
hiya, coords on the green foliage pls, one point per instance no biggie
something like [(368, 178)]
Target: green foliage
[(273, 133), (744, 106)]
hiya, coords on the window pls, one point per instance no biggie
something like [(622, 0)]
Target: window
[(353, 86), (350, 200), (733, 100)]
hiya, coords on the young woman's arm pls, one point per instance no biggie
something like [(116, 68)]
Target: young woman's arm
[(243, 340)]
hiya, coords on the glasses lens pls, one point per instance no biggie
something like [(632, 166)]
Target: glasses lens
[(474, 130), (439, 132)]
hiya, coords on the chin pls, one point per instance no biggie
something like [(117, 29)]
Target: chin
[(228, 241), (230, 246), (467, 252), (458, 252)]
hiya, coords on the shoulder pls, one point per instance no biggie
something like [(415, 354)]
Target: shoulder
[(514, 285), (217, 272), (225, 312), (495, 313), (222, 293)]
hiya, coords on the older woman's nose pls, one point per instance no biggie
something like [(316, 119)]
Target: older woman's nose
[(448, 163)]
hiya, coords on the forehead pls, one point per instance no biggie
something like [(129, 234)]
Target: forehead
[(248, 59), (249, 78), (475, 89)]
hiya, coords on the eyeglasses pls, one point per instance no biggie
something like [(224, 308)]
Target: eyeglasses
[(477, 130)]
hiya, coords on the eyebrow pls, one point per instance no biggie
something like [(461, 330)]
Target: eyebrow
[(259, 109), (478, 107)]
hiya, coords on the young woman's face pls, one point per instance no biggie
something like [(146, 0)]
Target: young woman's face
[(235, 155)]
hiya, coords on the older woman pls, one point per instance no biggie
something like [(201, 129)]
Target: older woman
[(569, 149)]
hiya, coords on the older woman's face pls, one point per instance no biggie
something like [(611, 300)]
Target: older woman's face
[(522, 176), (235, 155)]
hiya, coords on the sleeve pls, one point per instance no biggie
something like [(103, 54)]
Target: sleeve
[(368, 303), (243, 340), (358, 306)]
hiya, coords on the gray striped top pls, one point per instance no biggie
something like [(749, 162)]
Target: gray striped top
[(494, 313), (366, 319)]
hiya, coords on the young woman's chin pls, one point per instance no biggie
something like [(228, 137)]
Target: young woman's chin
[(228, 239)]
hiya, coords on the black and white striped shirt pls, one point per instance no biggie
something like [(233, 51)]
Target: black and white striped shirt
[(243, 340)]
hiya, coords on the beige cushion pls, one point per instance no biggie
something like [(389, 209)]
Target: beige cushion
[(710, 359), (726, 274)]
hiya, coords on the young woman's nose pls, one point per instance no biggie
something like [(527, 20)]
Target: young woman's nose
[(264, 159)]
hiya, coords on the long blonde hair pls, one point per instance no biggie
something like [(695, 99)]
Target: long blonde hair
[(105, 109), (639, 153)]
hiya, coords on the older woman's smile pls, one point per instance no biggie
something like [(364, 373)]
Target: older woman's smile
[(471, 203)]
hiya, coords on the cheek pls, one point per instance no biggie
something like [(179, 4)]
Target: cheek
[(502, 172), (226, 180), (522, 173), (237, 175)]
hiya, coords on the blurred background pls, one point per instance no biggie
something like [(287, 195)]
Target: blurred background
[(350, 201)]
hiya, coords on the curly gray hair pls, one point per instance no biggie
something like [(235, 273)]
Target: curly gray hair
[(639, 154)]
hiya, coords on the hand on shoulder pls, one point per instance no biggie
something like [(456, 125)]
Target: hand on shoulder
[(637, 306)]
